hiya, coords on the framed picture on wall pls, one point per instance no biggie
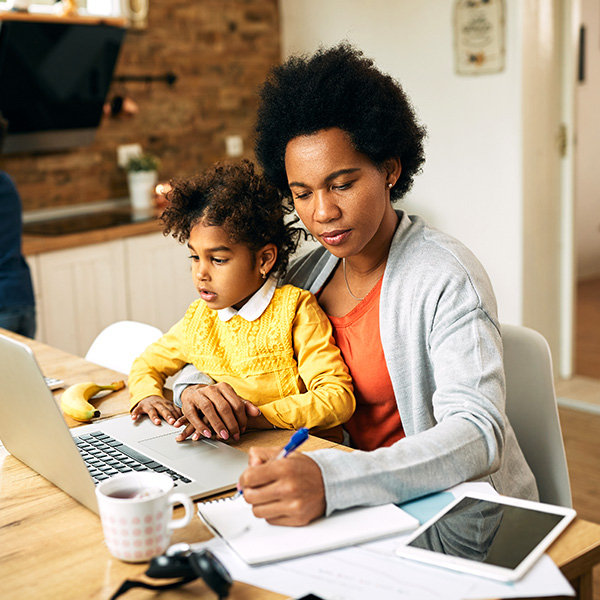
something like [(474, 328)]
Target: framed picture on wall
[(479, 36)]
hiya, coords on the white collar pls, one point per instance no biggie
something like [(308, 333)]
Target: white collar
[(255, 307)]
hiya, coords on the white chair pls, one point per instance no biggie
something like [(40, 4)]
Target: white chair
[(119, 344), (533, 413)]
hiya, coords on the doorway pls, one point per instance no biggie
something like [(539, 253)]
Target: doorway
[(580, 367), (587, 194)]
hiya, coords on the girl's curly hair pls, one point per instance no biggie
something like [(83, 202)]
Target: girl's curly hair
[(338, 87), (235, 197)]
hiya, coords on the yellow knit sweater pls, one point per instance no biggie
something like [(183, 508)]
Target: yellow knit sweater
[(284, 362)]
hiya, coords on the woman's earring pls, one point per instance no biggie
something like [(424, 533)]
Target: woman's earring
[(263, 274), (390, 185)]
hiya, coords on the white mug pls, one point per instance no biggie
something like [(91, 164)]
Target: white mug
[(136, 511)]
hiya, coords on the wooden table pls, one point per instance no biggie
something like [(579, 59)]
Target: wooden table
[(52, 547)]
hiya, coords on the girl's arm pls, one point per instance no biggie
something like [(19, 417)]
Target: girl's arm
[(160, 360), (329, 399)]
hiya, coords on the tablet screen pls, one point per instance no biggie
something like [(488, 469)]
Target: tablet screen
[(496, 537)]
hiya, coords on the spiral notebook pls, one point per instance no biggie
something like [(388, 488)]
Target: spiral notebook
[(257, 542)]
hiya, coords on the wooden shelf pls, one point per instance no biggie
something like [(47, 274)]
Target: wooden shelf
[(78, 20), (38, 244)]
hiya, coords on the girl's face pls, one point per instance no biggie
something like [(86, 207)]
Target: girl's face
[(341, 196), (226, 274)]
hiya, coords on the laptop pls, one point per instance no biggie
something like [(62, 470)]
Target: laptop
[(32, 429)]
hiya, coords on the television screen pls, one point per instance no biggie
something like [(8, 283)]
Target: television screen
[(54, 78)]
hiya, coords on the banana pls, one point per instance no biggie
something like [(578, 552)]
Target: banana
[(74, 400)]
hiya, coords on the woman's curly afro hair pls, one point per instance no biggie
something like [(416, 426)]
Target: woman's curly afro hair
[(338, 87), (235, 197)]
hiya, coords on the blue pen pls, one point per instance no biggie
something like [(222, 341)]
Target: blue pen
[(296, 440)]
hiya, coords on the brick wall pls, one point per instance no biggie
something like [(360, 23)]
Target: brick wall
[(220, 51)]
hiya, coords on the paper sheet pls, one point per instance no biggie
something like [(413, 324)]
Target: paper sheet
[(374, 571), (358, 572), (348, 574)]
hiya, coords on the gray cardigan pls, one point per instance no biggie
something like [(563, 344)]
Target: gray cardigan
[(443, 349)]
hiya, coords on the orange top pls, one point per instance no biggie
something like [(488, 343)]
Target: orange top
[(376, 421)]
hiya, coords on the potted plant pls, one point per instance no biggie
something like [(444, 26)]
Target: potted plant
[(142, 177)]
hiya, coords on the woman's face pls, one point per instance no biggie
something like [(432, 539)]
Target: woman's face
[(341, 196)]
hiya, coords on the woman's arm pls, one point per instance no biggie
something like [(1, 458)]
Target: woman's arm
[(451, 451), (464, 435), (189, 376), (452, 408)]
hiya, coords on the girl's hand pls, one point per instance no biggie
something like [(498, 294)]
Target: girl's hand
[(284, 492), (208, 408), (156, 407)]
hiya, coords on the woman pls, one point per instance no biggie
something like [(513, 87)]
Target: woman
[(412, 309)]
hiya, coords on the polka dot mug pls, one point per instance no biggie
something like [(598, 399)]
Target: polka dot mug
[(136, 511)]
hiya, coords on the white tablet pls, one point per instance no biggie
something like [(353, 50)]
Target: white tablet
[(490, 536)]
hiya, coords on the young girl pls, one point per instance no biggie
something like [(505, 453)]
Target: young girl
[(265, 347)]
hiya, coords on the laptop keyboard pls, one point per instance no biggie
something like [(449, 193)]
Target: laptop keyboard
[(106, 456)]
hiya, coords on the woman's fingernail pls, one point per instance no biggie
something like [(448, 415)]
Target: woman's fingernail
[(171, 420), (196, 435), (206, 433), (224, 435), (236, 437)]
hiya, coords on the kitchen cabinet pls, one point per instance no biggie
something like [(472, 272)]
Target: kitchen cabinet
[(79, 291)]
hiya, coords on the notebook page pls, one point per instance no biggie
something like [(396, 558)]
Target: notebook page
[(257, 542)]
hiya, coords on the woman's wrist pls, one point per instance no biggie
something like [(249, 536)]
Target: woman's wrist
[(259, 422)]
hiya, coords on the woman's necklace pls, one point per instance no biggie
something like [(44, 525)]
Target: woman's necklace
[(346, 280)]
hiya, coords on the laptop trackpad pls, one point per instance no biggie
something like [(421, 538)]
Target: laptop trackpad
[(166, 445)]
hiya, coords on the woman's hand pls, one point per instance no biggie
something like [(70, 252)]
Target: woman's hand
[(208, 408), (289, 491), (156, 407)]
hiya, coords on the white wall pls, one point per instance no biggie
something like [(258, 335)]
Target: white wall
[(587, 171), (472, 183)]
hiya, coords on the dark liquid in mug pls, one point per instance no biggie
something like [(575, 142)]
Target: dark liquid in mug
[(128, 493), (139, 493)]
